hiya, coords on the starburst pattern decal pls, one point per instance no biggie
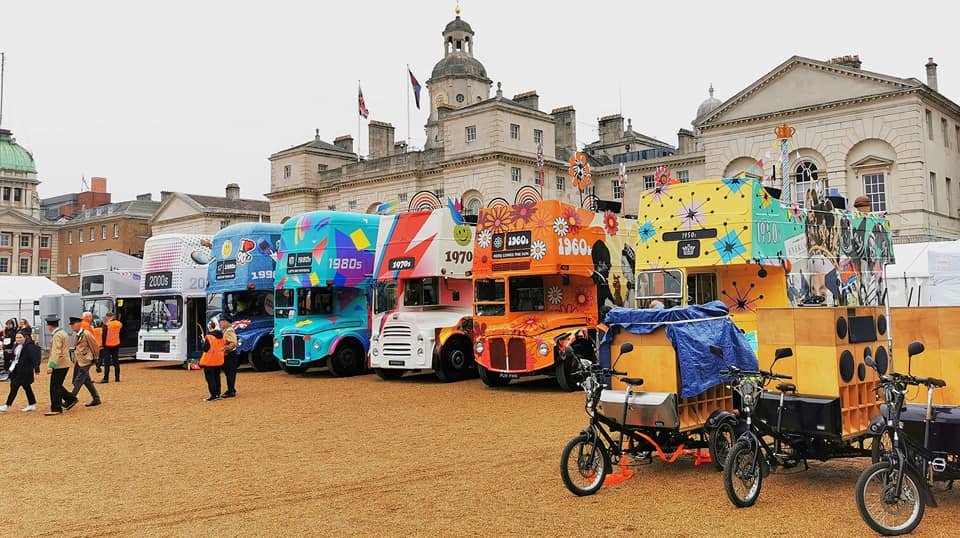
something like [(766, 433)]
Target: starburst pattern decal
[(742, 300)]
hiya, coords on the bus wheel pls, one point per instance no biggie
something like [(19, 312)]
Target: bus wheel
[(456, 362), (389, 374), (261, 358), (346, 360), (567, 373), (492, 379), (294, 369)]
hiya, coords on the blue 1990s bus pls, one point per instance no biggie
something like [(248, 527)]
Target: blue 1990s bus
[(240, 284)]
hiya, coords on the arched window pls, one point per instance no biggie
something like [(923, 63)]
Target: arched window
[(804, 174), (473, 207)]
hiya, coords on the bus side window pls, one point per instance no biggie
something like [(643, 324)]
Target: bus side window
[(701, 288)]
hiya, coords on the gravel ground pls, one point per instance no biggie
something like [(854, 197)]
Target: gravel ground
[(317, 455)]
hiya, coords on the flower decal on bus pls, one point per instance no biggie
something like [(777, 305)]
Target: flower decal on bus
[(483, 238), (555, 295), (560, 226), (538, 249)]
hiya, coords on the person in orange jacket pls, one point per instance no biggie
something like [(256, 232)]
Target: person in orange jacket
[(111, 346), (212, 359)]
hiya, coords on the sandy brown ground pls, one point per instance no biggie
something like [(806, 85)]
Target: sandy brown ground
[(315, 455)]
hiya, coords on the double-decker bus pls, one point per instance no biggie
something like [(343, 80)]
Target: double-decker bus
[(110, 282), (240, 284), (543, 271), (323, 298), (429, 255), (173, 291)]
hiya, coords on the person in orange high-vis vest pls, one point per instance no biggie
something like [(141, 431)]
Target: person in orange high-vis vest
[(212, 360), (111, 347)]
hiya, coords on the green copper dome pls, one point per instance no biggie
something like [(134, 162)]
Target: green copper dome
[(13, 156)]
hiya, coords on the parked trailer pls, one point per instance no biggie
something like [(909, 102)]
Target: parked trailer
[(429, 256), (240, 284), (324, 284), (173, 290), (110, 282)]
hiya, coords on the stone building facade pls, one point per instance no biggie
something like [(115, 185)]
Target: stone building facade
[(27, 243), (200, 214), (123, 227), (480, 148), (895, 140)]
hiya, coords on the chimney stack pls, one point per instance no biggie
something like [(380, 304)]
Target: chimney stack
[(931, 74), (344, 142), (381, 139), (685, 141), (611, 128), (233, 191), (528, 99), (164, 195), (99, 184), (146, 197), (565, 127), (848, 61)]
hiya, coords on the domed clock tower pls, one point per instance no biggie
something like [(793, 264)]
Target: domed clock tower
[(458, 79)]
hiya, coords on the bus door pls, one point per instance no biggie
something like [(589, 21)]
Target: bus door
[(128, 313), (196, 311)]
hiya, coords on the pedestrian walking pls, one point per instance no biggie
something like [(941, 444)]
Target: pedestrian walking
[(9, 332), (230, 355), (25, 328), (111, 344), (84, 354), (212, 360), (58, 366), (26, 355)]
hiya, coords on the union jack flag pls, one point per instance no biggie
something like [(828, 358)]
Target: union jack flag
[(363, 105)]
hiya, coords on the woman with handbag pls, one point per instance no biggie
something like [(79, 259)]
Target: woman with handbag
[(26, 355), (9, 331)]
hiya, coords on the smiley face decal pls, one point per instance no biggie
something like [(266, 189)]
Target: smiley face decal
[(463, 234)]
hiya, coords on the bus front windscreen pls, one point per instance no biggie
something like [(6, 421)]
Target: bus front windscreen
[(98, 307), (526, 294), (91, 285), (162, 312), (489, 297), (248, 303), (283, 301), (659, 288)]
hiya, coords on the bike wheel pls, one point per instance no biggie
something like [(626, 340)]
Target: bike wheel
[(881, 508), (584, 464), (742, 475), (721, 439)]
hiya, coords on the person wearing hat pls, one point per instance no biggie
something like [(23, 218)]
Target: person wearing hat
[(230, 355), (58, 366), (84, 354), (212, 360)]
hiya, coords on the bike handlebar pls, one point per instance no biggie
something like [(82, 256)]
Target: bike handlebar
[(913, 380), (733, 371)]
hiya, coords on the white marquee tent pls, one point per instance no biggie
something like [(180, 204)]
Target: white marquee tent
[(925, 274), (17, 294)]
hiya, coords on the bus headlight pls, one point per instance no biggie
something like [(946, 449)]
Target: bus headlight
[(276, 342), (239, 342), (316, 345), (479, 348), (375, 351), (543, 348), (420, 351)]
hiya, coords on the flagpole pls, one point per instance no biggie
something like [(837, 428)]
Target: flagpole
[(406, 82), (358, 123)]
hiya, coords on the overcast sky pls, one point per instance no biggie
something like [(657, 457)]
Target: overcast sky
[(189, 96)]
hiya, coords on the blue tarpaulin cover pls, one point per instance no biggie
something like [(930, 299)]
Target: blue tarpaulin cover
[(692, 330)]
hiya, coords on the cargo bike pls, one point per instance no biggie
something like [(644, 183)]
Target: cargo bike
[(816, 404), (656, 397), (920, 445)]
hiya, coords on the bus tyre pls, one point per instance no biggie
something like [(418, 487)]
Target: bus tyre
[(347, 360), (492, 379), (456, 362), (389, 374), (261, 357), (567, 372)]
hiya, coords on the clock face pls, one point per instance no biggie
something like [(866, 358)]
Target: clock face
[(460, 97)]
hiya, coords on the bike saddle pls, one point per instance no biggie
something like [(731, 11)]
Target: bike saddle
[(635, 381), (786, 387)]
